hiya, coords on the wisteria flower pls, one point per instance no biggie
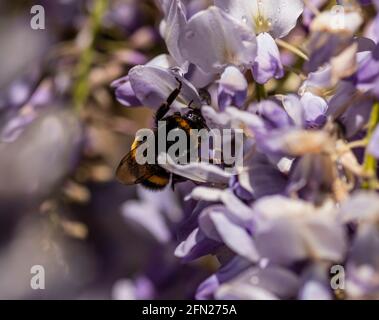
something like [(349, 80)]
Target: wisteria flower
[(268, 20), (261, 171)]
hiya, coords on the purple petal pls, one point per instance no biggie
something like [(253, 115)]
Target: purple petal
[(226, 272), (196, 246)]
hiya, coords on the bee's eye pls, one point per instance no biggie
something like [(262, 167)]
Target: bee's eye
[(190, 115)]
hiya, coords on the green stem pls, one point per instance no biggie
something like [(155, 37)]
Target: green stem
[(370, 163), (260, 92), (81, 86), (292, 49)]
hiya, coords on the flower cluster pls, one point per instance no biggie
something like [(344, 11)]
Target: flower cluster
[(301, 78)]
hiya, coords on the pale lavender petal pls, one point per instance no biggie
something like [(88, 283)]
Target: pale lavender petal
[(149, 217), (326, 239), (314, 290), (315, 109), (175, 22), (163, 60), (243, 291), (196, 171), (361, 206), (267, 65), (294, 108), (318, 80), (291, 230), (213, 40), (139, 289), (270, 283), (281, 242), (152, 85), (373, 147), (278, 17), (232, 89), (166, 201), (123, 88), (240, 210), (51, 146), (217, 223)]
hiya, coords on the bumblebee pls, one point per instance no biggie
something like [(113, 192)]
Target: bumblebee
[(153, 176)]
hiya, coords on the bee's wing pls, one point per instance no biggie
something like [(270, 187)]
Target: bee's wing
[(130, 172)]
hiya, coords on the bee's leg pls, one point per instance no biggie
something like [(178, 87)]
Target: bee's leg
[(171, 98), (175, 180), (163, 109)]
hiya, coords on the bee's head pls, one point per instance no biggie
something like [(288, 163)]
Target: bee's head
[(195, 116)]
